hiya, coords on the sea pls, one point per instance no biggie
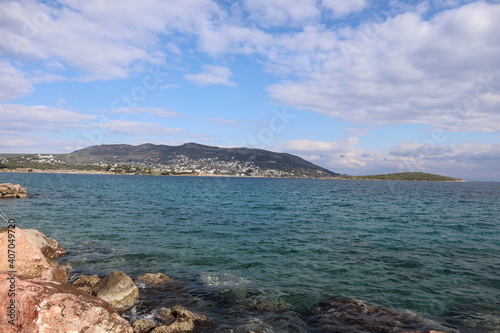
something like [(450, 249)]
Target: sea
[(262, 252)]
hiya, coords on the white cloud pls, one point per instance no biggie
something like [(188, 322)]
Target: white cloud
[(20, 123), (316, 146), (212, 75), (101, 39), (233, 38), (344, 7), (224, 122), (13, 82), (160, 112), (29, 143), (449, 71), (21, 118), (137, 128), (281, 12), (468, 160)]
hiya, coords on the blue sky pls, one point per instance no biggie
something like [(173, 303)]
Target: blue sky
[(356, 86)]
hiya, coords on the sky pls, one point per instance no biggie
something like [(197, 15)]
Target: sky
[(356, 86)]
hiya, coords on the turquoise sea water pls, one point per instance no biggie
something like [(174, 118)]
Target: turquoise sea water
[(430, 248)]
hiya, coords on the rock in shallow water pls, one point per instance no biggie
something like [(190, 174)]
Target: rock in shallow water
[(354, 316), (170, 320), (118, 289), (8, 190), (143, 325), (154, 279), (45, 306)]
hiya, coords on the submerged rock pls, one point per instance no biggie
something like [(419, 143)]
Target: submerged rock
[(169, 320), (33, 255), (118, 289), (46, 306), (154, 279), (353, 316), (8, 190), (143, 325), (473, 319), (179, 319)]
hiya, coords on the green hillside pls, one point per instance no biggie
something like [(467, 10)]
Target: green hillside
[(408, 176)]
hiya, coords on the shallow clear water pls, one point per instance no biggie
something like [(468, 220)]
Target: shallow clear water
[(427, 247)]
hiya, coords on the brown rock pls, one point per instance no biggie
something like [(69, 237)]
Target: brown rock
[(8, 190), (86, 282), (428, 331), (118, 289), (175, 327), (50, 248), (4, 189), (30, 261), (352, 315), (46, 306), (154, 279), (180, 318), (143, 325), (178, 312)]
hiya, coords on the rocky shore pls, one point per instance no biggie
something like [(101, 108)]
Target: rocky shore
[(8, 190), (38, 298)]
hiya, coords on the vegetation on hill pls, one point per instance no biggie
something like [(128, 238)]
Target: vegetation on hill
[(186, 159), (201, 159), (407, 176)]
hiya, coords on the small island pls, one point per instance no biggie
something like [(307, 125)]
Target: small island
[(407, 176)]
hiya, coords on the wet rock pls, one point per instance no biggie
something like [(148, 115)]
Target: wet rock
[(143, 325), (34, 253), (154, 279), (175, 327), (253, 325), (8, 190), (178, 312), (118, 289), (86, 282), (427, 331), (46, 306), (351, 315), (179, 319), (473, 319)]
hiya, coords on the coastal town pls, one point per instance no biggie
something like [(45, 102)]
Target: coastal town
[(181, 165)]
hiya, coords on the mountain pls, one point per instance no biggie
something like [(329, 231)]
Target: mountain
[(196, 158)]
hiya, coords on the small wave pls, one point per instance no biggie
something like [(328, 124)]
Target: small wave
[(223, 280)]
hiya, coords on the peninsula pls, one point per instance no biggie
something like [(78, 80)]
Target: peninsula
[(407, 176)]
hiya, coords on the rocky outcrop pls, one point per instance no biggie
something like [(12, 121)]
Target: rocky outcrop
[(8, 190), (171, 320), (154, 279), (118, 289), (353, 316), (46, 306), (49, 247), (33, 255)]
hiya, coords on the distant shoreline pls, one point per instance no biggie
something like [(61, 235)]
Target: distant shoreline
[(96, 172)]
